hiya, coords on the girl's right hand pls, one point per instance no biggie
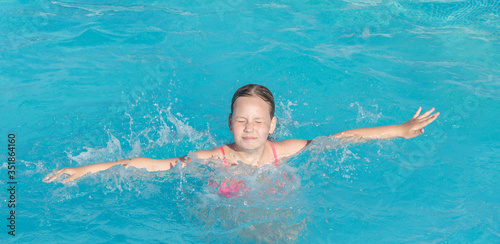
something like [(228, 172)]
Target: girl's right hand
[(73, 172)]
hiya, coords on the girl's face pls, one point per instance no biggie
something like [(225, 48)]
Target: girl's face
[(251, 122)]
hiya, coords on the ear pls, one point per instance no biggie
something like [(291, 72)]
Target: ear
[(229, 123), (274, 120)]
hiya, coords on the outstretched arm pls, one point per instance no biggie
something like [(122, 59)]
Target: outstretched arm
[(146, 163), (412, 128)]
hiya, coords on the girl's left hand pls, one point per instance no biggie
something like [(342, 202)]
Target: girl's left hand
[(414, 127)]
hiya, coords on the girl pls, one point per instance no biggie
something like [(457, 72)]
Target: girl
[(251, 121)]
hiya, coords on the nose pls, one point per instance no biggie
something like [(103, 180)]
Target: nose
[(248, 127)]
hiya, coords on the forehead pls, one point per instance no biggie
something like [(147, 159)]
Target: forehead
[(252, 103)]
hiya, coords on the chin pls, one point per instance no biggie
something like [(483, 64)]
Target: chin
[(250, 145)]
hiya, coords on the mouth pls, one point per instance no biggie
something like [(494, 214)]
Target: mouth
[(249, 138)]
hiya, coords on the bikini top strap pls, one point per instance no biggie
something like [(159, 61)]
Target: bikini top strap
[(224, 157), (274, 153)]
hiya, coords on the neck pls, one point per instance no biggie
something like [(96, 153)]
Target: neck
[(251, 157)]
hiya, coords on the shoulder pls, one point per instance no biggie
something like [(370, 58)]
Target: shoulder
[(290, 147), (206, 154)]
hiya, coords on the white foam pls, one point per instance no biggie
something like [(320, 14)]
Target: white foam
[(364, 114), (113, 148)]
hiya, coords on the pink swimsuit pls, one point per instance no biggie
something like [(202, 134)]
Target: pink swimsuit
[(233, 187)]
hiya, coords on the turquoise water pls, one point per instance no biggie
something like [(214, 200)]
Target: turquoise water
[(94, 81)]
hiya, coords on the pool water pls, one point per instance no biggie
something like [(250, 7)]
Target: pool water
[(84, 82)]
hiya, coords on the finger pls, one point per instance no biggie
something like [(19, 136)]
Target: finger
[(427, 113), (426, 121), (47, 178), (432, 117), (418, 132), (72, 178), (53, 177), (417, 113)]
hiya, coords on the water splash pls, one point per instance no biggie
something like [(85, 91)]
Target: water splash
[(285, 121), (364, 114)]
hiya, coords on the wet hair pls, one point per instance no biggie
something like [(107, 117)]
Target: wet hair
[(255, 90)]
